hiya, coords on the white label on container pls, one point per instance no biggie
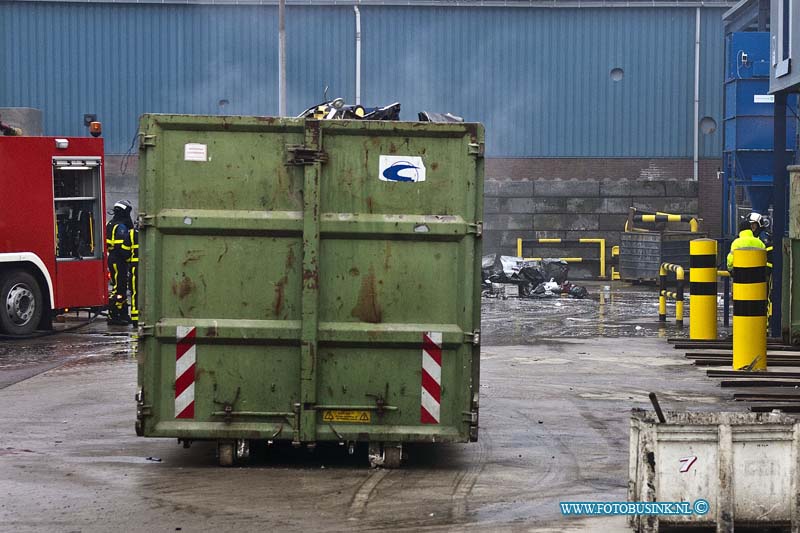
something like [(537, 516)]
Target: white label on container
[(763, 99), (195, 152), (402, 168)]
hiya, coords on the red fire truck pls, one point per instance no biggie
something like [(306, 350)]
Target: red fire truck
[(52, 207)]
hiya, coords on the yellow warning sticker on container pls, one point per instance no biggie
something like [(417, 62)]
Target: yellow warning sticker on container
[(353, 417)]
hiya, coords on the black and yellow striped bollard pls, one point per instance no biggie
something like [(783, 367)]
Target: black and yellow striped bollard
[(663, 293), (703, 289), (749, 309)]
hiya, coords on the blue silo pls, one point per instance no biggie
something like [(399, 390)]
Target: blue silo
[(748, 145)]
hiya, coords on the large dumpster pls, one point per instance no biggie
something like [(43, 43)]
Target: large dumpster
[(790, 295), (642, 253), (729, 469), (309, 281)]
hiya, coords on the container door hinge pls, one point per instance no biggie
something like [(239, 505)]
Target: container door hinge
[(471, 418), (142, 412), (476, 149), (146, 331), (473, 338), (146, 141), (476, 228), (298, 154), (145, 220)]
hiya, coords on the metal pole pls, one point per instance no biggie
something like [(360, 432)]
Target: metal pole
[(679, 297), (358, 55), (282, 58), (779, 184), (696, 161), (662, 296), (726, 301)]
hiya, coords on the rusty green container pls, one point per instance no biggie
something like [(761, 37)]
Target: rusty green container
[(309, 281)]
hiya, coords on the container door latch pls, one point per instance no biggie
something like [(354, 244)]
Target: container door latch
[(298, 154), (146, 141)]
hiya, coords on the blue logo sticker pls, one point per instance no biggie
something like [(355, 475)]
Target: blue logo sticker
[(392, 173)]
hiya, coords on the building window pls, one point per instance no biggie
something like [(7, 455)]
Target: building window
[(782, 39)]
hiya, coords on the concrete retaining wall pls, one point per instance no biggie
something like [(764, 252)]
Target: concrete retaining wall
[(535, 207), (122, 181)]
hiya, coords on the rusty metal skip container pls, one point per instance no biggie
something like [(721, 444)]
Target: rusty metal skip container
[(309, 281)]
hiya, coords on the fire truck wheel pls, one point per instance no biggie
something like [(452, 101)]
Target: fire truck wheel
[(21, 303)]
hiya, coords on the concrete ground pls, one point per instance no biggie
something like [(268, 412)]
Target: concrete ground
[(555, 409)]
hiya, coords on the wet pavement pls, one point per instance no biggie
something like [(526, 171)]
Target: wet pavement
[(76, 339), (555, 401), (611, 310)]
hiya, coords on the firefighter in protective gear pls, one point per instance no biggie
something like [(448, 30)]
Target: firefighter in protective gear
[(118, 245), (749, 229), (133, 262)]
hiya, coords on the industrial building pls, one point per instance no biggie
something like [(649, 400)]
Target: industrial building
[(399, 265), (590, 106)]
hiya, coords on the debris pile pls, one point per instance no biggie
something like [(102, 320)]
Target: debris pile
[(534, 279)]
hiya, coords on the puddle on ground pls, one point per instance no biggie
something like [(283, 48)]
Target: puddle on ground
[(92, 343), (619, 311)]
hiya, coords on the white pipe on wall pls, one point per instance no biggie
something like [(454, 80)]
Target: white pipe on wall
[(696, 160), (282, 58), (358, 55)]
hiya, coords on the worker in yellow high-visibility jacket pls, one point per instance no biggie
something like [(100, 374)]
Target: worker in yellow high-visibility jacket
[(749, 229)]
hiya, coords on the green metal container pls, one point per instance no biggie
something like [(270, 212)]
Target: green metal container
[(790, 299), (790, 284), (309, 281)]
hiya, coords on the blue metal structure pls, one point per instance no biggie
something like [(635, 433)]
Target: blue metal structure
[(749, 147), (538, 78)]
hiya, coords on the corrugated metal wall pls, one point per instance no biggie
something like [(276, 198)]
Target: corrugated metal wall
[(538, 78)]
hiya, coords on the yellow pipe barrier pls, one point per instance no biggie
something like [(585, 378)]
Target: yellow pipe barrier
[(663, 293), (703, 289), (601, 242), (565, 259), (749, 309), (659, 216)]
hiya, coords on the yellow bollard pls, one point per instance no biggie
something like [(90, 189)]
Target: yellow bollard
[(703, 289), (662, 298), (749, 309), (679, 297), (663, 293)]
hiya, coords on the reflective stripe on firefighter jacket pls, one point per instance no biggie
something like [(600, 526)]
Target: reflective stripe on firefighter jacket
[(132, 278), (133, 239)]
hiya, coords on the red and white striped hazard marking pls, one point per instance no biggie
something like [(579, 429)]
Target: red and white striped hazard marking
[(431, 377), (185, 359)]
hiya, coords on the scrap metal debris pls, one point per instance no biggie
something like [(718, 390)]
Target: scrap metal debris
[(534, 279), (336, 109)]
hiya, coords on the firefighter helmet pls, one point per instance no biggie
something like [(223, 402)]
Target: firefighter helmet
[(124, 206), (755, 218)]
